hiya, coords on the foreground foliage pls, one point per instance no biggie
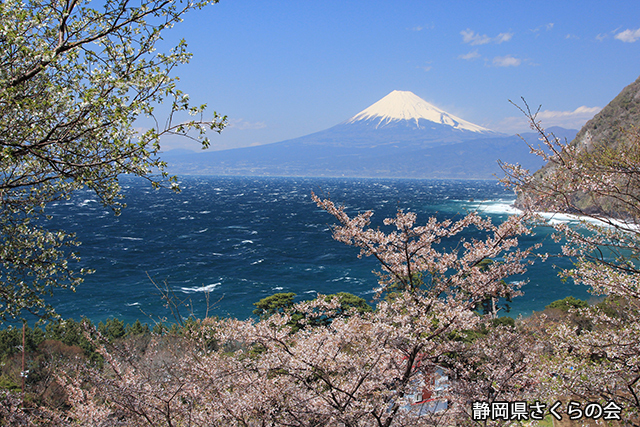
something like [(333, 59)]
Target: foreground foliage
[(331, 361), (73, 79), (599, 356)]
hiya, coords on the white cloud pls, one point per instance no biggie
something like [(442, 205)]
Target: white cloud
[(503, 37), (470, 56), (567, 119), (582, 112), (547, 27), (242, 124), (628, 36), (427, 66), (422, 27), (506, 61), (475, 39)]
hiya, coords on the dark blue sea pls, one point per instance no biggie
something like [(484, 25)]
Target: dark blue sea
[(223, 243)]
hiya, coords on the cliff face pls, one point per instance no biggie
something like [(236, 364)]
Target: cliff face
[(610, 135), (610, 124)]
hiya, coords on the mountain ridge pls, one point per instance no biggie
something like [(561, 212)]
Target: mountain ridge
[(390, 139), (608, 129)]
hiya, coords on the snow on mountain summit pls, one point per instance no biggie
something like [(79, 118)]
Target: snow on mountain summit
[(405, 105)]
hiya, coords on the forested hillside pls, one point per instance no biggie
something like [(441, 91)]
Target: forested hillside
[(605, 144)]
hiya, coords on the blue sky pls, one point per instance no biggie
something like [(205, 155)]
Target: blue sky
[(283, 69)]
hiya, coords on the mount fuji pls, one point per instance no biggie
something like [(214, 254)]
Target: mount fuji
[(401, 135), (404, 108), (401, 118)]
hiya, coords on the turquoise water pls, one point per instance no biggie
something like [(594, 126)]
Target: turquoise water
[(235, 240)]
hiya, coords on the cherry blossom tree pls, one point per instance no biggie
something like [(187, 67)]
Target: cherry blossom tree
[(363, 368), (600, 182), (440, 287), (73, 81)]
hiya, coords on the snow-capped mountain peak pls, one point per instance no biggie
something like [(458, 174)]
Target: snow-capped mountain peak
[(405, 105)]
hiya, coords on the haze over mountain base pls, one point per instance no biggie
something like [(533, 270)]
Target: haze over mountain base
[(400, 136)]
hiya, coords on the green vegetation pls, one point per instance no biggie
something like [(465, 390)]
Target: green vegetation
[(349, 301), (69, 332), (283, 303), (568, 303), (277, 303), (63, 345)]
